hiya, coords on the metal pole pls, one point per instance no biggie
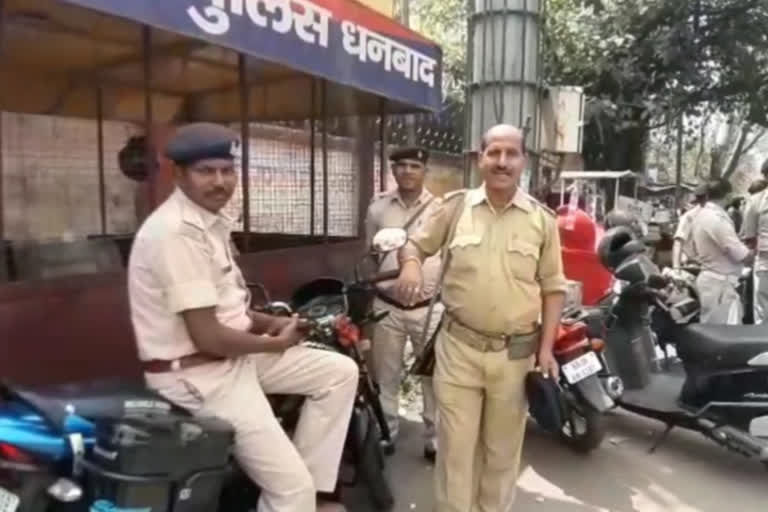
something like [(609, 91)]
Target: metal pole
[(245, 156), (100, 146), (149, 151), (382, 144), (2, 53), (312, 166), (324, 115), (410, 119), (679, 170)]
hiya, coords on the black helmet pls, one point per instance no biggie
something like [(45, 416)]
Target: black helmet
[(616, 218), (617, 244)]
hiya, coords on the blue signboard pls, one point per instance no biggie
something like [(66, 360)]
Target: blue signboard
[(339, 40)]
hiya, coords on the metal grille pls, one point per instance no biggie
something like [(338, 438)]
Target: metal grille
[(280, 183)]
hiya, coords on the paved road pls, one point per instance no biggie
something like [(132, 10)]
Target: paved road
[(687, 474)]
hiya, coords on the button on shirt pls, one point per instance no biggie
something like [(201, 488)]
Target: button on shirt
[(181, 259), (501, 261), (390, 211), (717, 245), (756, 226)]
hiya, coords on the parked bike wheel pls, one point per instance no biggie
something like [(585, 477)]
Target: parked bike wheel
[(369, 459), (584, 428)]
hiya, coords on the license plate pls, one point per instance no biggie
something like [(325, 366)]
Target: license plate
[(9, 502), (581, 367)]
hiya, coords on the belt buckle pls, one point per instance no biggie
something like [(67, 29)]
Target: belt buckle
[(176, 365), (503, 339)]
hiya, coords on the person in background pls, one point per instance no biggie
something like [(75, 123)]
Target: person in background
[(202, 348), (755, 234), (722, 256), (410, 203), (683, 250), (503, 292)]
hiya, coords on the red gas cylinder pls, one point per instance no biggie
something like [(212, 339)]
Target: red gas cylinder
[(579, 236)]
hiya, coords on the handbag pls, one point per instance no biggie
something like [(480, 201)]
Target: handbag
[(424, 364)]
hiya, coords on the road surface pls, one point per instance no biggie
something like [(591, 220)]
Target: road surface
[(687, 473)]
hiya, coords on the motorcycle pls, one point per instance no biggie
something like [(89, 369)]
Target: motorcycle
[(584, 399), (57, 444), (718, 386)]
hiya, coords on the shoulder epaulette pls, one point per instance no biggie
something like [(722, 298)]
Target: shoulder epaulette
[(454, 194), (541, 205)]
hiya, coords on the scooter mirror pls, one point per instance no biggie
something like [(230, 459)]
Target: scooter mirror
[(389, 239)]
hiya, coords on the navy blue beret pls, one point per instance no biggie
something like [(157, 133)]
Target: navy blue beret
[(200, 141), (410, 153)]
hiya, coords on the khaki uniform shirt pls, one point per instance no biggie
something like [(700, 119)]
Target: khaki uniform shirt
[(717, 245), (389, 211), (756, 226), (502, 262), (683, 232), (181, 259)]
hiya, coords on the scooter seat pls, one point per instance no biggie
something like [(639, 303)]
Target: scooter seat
[(92, 400), (713, 347)]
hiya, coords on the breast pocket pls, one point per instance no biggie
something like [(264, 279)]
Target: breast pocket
[(465, 249), (523, 259)]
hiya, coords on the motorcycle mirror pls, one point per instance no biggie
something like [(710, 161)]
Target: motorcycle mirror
[(389, 239)]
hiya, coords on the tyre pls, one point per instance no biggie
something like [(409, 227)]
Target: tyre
[(584, 428), (371, 469), (33, 494)]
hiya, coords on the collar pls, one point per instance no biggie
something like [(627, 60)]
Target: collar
[(424, 197), (197, 215), (478, 195)]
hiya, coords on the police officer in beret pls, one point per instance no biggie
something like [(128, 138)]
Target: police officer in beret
[(203, 348), (410, 203)]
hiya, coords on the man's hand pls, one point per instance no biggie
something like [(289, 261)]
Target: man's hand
[(409, 283), (291, 333), (547, 364)]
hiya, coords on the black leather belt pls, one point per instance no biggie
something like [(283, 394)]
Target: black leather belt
[(393, 302)]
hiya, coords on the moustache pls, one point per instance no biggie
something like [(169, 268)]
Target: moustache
[(218, 192)]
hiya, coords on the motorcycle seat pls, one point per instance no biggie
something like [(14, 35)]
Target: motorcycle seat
[(716, 347), (92, 400)]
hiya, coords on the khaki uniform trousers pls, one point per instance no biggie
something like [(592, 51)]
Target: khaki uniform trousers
[(483, 408), (720, 302), (760, 296), (288, 473), (387, 349)]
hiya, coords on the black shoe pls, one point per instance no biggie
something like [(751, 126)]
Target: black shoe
[(430, 454)]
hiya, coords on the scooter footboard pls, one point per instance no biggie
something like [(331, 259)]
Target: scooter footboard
[(592, 391)]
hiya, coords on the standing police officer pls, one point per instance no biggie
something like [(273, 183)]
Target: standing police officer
[(755, 232), (409, 204), (722, 256), (503, 293), (203, 349)]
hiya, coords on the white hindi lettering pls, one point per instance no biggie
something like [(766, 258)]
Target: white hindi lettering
[(311, 26), (370, 46)]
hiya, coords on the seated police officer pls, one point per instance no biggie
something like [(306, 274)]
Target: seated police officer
[(204, 349)]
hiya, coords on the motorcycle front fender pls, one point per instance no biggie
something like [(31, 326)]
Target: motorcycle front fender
[(591, 390)]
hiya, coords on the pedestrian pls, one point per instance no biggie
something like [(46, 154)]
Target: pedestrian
[(405, 207), (755, 234), (722, 257), (503, 292), (203, 349)]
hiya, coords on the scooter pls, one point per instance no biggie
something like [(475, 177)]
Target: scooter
[(56, 442), (719, 387)]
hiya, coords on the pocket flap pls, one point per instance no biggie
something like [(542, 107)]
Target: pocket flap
[(522, 247), (465, 240)]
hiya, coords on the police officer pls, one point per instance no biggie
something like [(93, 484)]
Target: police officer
[(755, 232), (409, 204), (683, 250), (203, 349), (503, 293), (722, 256)]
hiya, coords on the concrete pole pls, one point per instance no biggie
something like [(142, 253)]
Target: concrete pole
[(504, 78)]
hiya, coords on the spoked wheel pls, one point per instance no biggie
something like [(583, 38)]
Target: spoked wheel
[(583, 429)]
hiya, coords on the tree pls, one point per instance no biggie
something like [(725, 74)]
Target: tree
[(644, 63)]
